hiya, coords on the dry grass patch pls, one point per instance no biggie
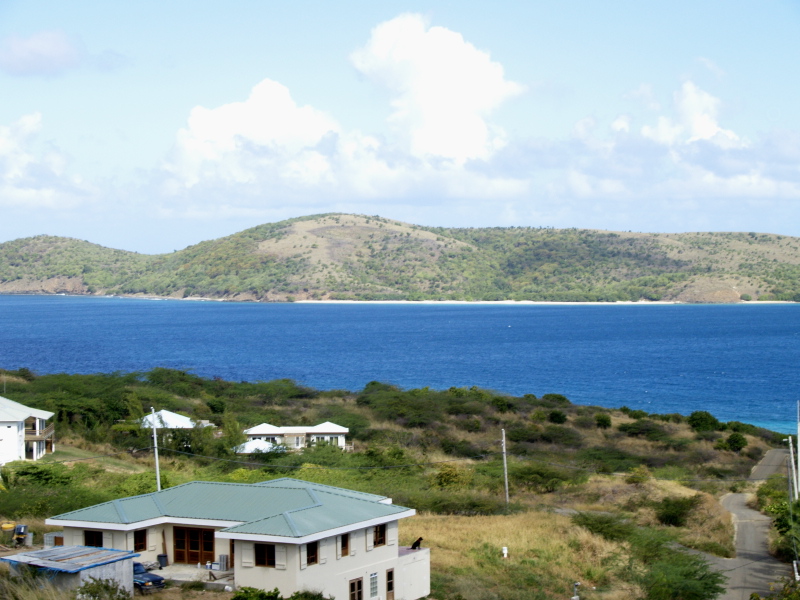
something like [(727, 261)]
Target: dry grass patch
[(546, 554), (710, 528)]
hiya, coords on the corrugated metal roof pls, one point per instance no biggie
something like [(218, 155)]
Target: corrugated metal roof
[(288, 482), (70, 559), (330, 511), (14, 411), (282, 507)]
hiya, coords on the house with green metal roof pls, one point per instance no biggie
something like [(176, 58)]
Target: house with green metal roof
[(287, 534)]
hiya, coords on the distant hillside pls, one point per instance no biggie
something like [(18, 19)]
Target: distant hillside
[(339, 256)]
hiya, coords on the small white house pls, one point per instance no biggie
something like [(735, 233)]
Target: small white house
[(166, 419), (287, 534), (254, 446), (300, 437), (24, 432)]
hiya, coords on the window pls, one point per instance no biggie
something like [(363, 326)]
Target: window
[(379, 537), (312, 553), (356, 592), (140, 540), (265, 555), (345, 544), (93, 538), (373, 585)]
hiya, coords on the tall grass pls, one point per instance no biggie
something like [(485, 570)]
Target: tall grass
[(546, 554)]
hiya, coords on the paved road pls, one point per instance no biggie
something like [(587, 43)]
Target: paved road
[(753, 569)]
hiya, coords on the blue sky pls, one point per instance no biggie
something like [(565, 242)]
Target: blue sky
[(150, 126)]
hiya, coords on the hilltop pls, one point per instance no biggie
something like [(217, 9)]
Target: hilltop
[(356, 257)]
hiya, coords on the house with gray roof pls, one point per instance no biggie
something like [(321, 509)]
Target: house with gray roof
[(297, 438), (284, 533), (24, 432)]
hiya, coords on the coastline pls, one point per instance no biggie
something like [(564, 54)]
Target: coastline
[(416, 302)]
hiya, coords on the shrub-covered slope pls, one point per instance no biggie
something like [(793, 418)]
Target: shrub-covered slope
[(340, 256)]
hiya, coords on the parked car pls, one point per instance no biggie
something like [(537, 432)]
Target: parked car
[(144, 581)]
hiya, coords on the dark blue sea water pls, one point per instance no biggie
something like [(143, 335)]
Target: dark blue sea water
[(737, 361)]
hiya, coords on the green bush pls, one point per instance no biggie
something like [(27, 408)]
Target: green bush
[(472, 425), (681, 576), (602, 420), (554, 400), (523, 434), (557, 416), (701, 420), (459, 447), (675, 511), (248, 593), (563, 436), (101, 589), (644, 428), (611, 527), (584, 422), (609, 460), (736, 442)]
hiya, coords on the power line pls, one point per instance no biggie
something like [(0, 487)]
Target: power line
[(272, 466)]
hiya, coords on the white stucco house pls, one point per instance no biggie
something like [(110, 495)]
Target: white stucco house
[(252, 446), (283, 533), (166, 419), (24, 432), (300, 437)]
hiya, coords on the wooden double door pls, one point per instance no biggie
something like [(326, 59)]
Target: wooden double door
[(193, 545)]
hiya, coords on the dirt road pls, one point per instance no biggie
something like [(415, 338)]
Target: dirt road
[(753, 569)]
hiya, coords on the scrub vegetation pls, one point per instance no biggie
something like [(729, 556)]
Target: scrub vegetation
[(354, 257), (597, 495)]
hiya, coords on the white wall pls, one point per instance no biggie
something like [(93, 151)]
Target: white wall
[(12, 441), (333, 573), (123, 540)]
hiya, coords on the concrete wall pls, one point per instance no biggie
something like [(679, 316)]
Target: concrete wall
[(413, 575), (157, 538), (333, 573), (120, 571), (12, 441), (123, 540)]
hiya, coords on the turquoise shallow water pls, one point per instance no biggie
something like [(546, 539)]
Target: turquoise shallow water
[(737, 361)]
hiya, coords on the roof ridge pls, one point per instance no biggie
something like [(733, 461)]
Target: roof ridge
[(157, 501), (120, 511), (316, 503), (290, 522), (332, 489)]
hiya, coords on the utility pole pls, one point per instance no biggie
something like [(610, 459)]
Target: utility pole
[(505, 466), (792, 471), (155, 448)]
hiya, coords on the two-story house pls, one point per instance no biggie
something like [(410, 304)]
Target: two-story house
[(284, 533), (24, 432)]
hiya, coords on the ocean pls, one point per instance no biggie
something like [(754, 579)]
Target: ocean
[(737, 361)]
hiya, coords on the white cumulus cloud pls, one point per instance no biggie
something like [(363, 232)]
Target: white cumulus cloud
[(696, 118), (241, 141), (444, 88), (271, 147)]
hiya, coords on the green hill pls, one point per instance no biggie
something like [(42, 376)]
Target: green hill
[(355, 257)]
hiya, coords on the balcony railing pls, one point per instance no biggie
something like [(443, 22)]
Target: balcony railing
[(31, 435)]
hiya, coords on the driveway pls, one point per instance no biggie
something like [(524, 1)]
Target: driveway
[(753, 569)]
